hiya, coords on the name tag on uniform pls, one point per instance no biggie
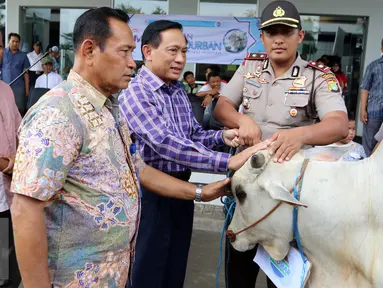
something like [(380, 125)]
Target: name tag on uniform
[(253, 83)]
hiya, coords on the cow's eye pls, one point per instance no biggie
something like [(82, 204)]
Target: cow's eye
[(240, 193)]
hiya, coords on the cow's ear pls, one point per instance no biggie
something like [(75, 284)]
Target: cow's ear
[(279, 192)]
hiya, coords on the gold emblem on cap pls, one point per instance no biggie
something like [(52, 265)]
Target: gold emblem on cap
[(279, 12)]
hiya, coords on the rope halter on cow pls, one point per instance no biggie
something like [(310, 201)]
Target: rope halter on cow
[(232, 236)]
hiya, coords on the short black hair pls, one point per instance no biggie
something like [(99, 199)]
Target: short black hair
[(214, 67), (94, 24), (187, 73), (152, 33), (213, 74), (321, 60), (10, 35)]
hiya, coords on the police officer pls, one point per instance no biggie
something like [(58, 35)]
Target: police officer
[(283, 97)]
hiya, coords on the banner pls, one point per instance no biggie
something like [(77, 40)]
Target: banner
[(211, 40)]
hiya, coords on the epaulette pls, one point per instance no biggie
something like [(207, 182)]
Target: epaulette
[(256, 56), (320, 67)]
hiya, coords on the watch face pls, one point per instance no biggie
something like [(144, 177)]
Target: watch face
[(198, 193)]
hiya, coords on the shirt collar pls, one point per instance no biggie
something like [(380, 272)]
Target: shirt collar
[(295, 70), (153, 80), (9, 51), (95, 97)]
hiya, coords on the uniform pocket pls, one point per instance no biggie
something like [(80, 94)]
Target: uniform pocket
[(251, 90), (297, 100), (250, 99), (296, 109)]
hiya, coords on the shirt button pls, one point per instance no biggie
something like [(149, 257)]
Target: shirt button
[(270, 104)]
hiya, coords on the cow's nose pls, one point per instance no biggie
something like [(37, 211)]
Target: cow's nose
[(240, 193)]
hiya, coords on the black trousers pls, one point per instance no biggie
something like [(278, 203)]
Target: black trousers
[(163, 240), (8, 261), (241, 271)]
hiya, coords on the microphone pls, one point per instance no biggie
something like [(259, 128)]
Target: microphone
[(53, 49)]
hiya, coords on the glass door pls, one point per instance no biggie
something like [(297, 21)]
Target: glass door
[(35, 28), (337, 39)]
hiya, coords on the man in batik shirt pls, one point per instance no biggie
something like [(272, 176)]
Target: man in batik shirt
[(76, 203)]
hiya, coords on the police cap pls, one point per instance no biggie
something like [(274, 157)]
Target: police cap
[(280, 12)]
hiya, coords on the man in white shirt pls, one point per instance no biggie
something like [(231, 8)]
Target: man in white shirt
[(49, 79), (36, 70)]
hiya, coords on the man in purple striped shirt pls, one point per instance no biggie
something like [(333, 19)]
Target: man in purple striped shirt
[(170, 139)]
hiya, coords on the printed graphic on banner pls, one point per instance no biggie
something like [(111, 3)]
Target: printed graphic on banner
[(213, 40)]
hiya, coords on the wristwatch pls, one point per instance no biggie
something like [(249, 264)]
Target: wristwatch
[(198, 193)]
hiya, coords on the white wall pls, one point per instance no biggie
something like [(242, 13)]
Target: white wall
[(370, 8)]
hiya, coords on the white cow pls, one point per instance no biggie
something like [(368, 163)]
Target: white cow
[(341, 229)]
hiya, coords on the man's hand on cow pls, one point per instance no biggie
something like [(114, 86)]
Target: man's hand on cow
[(214, 190), (286, 143), (230, 137), (249, 131), (238, 160)]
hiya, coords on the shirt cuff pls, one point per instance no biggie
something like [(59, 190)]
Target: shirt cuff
[(138, 163), (220, 161), (219, 138)]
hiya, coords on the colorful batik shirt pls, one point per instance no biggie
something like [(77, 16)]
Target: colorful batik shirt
[(74, 154)]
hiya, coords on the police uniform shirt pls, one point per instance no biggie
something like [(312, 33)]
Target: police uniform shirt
[(282, 103)]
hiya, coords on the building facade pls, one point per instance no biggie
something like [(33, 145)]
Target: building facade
[(349, 29)]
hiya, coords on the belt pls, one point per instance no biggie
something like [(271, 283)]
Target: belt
[(182, 175), (37, 72)]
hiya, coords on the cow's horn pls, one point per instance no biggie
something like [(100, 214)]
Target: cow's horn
[(257, 161)]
